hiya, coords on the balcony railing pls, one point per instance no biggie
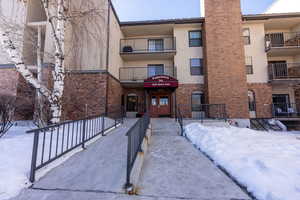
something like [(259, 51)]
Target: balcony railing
[(279, 71), (277, 40), (148, 45), (142, 73), (286, 110)]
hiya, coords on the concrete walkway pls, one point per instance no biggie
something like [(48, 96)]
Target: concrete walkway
[(101, 168), (174, 169)]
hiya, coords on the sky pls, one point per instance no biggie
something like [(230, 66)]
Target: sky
[(136, 10)]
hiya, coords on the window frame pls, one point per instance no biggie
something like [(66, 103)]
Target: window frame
[(156, 49), (248, 37), (249, 67), (201, 67), (252, 104), (200, 38)]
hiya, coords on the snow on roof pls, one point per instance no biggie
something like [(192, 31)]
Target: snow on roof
[(284, 6)]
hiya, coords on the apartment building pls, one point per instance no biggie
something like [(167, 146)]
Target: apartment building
[(248, 65)]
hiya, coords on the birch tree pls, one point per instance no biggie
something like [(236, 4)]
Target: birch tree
[(58, 15)]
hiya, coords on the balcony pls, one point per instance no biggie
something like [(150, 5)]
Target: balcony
[(139, 74), (284, 72), (282, 44), (286, 110), (148, 48)]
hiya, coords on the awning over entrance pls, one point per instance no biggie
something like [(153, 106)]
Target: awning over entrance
[(161, 81)]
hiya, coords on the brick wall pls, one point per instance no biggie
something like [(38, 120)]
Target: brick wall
[(263, 98), (8, 81), (84, 95), (225, 59), (25, 100), (184, 97), (114, 97)]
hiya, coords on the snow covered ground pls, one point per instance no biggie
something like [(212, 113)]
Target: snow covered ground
[(15, 158), (266, 163)]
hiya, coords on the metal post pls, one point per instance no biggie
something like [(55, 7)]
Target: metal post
[(102, 126), (128, 184), (83, 134), (34, 156)]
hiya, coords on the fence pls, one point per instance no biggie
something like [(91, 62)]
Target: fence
[(179, 119), (135, 138), (288, 39), (286, 110), (52, 142), (204, 111), (284, 71)]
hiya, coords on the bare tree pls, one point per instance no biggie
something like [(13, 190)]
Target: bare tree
[(7, 106), (58, 14)]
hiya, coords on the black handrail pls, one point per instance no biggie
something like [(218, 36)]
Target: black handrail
[(135, 135), (54, 141)]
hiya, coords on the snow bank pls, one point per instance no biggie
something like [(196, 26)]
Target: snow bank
[(268, 164), (15, 158)]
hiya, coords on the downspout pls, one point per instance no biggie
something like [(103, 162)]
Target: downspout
[(107, 57)]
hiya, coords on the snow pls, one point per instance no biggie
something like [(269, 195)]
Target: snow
[(266, 163), (15, 158)]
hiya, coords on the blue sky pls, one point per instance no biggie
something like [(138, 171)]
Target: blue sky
[(133, 10)]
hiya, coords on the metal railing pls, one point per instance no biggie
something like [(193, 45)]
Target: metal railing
[(204, 112), (142, 73), (148, 45), (284, 71), (179, 119), (288, 39), (52, 142), (286, 110), (135, 135)]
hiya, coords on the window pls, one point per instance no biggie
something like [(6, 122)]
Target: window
[(132, 103), (197, 101), (156, 45), (246, 35), (251, 101), (195, 38), (154, 70), (196, 66), (249, 65), (164, 101)]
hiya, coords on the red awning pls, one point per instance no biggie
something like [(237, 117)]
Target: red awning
[(161, 81)]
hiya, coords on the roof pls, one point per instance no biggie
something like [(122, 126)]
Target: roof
[(202, 19)]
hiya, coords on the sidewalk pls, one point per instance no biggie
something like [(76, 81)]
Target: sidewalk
[(101, 168), (174, 169)]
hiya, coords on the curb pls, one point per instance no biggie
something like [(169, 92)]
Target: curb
[(138, 164)]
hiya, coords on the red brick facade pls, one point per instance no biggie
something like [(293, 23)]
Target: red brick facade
[(184, 96), (225, 59), (114, 91), (263, 99), (8, 81), (84, 95)]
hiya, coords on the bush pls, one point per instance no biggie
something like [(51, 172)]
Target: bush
[(7, 107)]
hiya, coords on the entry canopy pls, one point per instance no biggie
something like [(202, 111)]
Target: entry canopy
[(161, 81)]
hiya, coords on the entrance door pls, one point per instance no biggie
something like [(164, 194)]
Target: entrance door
[(160, 106)]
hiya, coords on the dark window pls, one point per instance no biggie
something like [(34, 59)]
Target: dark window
[(249, 65), (155, 44), (196, 66), (197, 101), (246, 35), (195, 38), (251, 101), (282, 105), (154, 70), (132, 104)]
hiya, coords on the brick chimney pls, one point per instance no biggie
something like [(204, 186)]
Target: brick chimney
[(225, 57)]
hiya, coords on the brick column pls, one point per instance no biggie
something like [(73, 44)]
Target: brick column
[(225, 59)]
